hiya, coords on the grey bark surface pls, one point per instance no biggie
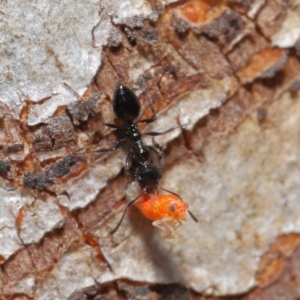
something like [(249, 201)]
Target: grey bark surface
[(229, 71)]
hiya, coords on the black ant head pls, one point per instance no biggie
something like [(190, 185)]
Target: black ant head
[(126, 105), (148, 178)]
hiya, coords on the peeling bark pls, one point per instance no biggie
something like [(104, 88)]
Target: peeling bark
[(228, 71)]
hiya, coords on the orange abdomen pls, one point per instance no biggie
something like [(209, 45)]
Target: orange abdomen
[(156, 207)]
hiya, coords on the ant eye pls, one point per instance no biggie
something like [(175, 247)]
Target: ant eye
[(172, 208)]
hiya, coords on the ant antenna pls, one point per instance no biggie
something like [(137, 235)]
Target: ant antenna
[(123, 215), (82, 100), (154, 114), (73, 91), (189, 212), (182, 126), (192, 216)]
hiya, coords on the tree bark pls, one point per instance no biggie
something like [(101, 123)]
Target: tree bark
[(226, 73)]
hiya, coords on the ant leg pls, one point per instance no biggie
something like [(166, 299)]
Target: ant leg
[(189, 212), (110, 125), (154, 114), (123, 215), (128, 162), (176, 223), (87, 106), (165, 226), (157, 150), (155, 133), (171, 193), (117, 146)]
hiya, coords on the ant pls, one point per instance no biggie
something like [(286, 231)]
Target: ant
[(159, 208), (127, 107)]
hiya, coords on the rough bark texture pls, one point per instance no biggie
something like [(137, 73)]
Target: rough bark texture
[(229, 71)]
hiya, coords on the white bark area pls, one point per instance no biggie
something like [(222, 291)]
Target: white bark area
[(245, 194)]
